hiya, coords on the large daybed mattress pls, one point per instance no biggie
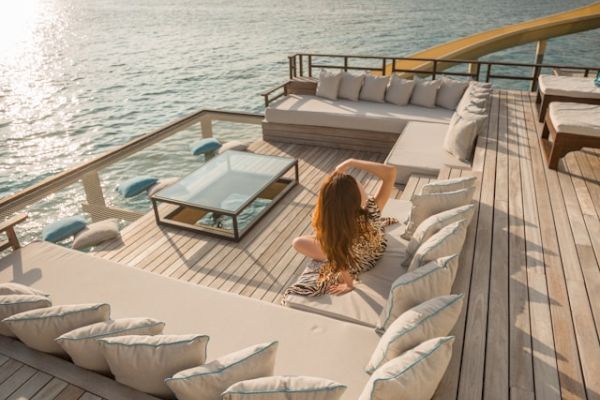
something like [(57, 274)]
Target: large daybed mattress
[(310, 344), (311, 110)]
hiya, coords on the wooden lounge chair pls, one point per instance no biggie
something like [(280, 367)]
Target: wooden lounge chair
[(570, 127), (571, 89)]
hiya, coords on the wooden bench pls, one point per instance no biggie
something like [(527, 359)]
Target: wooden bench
[(569, 127)]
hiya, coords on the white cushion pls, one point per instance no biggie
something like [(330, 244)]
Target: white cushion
[(373, 88), (430, 319), (166, 182), (329, 84), (449, 240), (448, 185), (82, 344), (399, 90), (285, 388), (576, 118), (17, 288), (435, 223), (425, 92), (461, 137), (11, 304), (450, 93), (411, 289), (428, 204), (416, 373), (345, 114), (350, 86), (144, 362), (569, 86), (420, 150), (208, 381), (96, 233), (39, 328)]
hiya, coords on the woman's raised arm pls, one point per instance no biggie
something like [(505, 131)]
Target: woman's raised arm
[(386, 173)]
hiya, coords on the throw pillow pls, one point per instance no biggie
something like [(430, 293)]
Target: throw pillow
[(285, 388), (415, 287), (208, 381), (82, 344), (450, 93), (39, 328), (425, 92), (144, 362), (430, 319), (399, 90), (449, 240), (329, 84), (96, 233), (417, 372), (350, 86), (374, 88), (11, 304)]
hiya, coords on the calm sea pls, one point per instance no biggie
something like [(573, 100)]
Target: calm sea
[(78, 77)]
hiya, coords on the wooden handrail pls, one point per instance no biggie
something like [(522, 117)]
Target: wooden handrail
[(8, 227)]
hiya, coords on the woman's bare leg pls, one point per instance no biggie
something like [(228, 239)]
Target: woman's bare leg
[(309, 246)]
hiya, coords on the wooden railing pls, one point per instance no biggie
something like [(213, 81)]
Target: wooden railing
[(87, 172)]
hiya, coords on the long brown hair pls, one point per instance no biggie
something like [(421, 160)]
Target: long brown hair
[(339, 220)]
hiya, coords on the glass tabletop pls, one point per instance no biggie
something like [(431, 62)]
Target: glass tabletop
[(228, 181)]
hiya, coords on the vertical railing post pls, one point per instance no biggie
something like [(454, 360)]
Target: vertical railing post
[(434, 69), (346, 63), (93, 193), (540, 50), (206, 127), (291, 67), (489, 72), (310, 65), (383, 66), (393, 66), (473, 70), (301, 65)]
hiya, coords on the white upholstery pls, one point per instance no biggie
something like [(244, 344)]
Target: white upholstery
[(303, 337), (569, 86), (419, 150), (576, 118), (362, 115), (329, 84)]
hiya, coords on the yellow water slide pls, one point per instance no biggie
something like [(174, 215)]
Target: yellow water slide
[(536, 30)]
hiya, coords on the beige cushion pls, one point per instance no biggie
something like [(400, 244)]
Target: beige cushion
[(11, 304), (96, 233), (82, 344), (399, 90), (373, 88), (166, 182), (430, 319), (449, 240), (569, 86), (329, 84), (576, 118), (435, 223), (431, 280), (350, 86), (460, 140), (346, 114), (208, 381), (39, 328), (428, 204), (17, 288), (285, 388), (448, 185), (450, 93), (144, 362), (417, 372), (425, 92)]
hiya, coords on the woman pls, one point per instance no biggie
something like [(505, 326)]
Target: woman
[(349, 231)]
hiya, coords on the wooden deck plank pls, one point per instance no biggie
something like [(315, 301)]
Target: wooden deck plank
[(51, 390), (31, 387), (15, 381)]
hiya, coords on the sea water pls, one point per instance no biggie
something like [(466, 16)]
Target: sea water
[(79, 77)]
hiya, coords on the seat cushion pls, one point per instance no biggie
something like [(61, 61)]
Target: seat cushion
[(577, 118), (285, 388), (420, 150), (361, 115), (569, 86)]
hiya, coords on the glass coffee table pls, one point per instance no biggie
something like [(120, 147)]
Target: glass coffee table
[(227, 195)]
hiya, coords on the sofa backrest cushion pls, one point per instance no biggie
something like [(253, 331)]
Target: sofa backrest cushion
[(329, 84), (399, 90), (425, 92), (449, 240), (462, 134), (450, 93), (350, 86), (374, 88), (448, 185), (11, 304), (285, 388)]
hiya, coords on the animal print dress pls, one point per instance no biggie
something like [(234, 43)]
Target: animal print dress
[(368, 250)]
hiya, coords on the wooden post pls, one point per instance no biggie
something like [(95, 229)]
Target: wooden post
[(93, 192), (206, 125), (473, 70), (540, 50)]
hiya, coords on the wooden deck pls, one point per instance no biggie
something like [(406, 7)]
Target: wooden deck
[(530, 267)]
